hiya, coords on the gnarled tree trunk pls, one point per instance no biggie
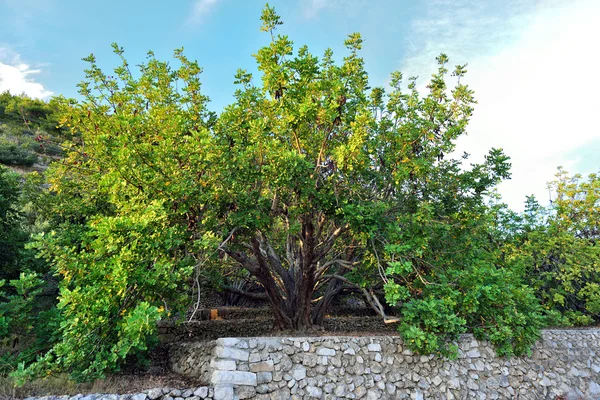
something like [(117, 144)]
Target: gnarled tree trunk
[(290, 283)]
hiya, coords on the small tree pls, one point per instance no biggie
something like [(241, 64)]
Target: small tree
[(560, 249)]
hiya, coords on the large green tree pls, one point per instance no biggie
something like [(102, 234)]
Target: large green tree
[(311, 181)]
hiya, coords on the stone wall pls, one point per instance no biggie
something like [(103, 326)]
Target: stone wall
[(565, 364), (192, 359), (200, 393)]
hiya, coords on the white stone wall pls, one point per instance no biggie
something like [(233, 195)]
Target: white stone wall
[(565, 364)]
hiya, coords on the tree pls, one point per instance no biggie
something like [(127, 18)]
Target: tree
[(560, 249), (318, 164), (310, 181), (12, 237)]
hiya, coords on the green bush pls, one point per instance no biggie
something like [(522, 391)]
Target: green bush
[(487, 301), (17, 155)]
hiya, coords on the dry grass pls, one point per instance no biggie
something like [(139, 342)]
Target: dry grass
[(117, 384)]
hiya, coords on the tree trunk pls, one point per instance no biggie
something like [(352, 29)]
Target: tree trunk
[(290, 286), (334, 288)]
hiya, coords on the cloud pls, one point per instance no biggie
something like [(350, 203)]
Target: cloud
[(532, 66), (17, 77), (200, 9)]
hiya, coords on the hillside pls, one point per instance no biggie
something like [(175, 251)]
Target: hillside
[(29, 136)]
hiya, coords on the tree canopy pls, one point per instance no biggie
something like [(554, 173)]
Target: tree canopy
[(311, 184)]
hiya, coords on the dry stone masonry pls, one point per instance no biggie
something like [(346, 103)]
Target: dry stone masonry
[(200, 393), (565, 364)]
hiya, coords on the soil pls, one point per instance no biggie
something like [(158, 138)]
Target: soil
[(115, 384)]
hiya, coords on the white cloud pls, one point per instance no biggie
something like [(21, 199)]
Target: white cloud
[(200, 9), (17, 77), (533, 68)]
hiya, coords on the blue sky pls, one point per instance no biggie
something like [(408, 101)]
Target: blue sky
[(532, 63)]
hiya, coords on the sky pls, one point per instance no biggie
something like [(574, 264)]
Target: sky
[(533, 64)]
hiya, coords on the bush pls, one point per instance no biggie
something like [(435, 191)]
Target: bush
[(489, 302), (18, 155)]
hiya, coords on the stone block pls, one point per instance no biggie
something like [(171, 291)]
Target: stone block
[(262, 366), (228, 352), (223, 392), (224, 365), (233, 378)]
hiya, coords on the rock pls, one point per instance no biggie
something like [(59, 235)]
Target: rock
[(313, 391), (324, 351), (299, 372), (374, 347), (262, 366), (281, 394), (545, 381), (390, 388), (155, 393), (187, 393), (423, 384), (454, 383), (360, 392), (223, 393), (340, 390), (139, 396), (310, 360), (594, 388), (329, 387), (245, 392), (474, 353), (264, 377), (201, 392), (262, 389)]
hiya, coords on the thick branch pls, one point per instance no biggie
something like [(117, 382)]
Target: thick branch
[(371, 298), (323, 248)]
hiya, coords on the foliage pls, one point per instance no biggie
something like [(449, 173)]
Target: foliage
[(27, 325), (14, 154), (12, 238), (450, 276), (120, 243), (560, 248), (311, 184)]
